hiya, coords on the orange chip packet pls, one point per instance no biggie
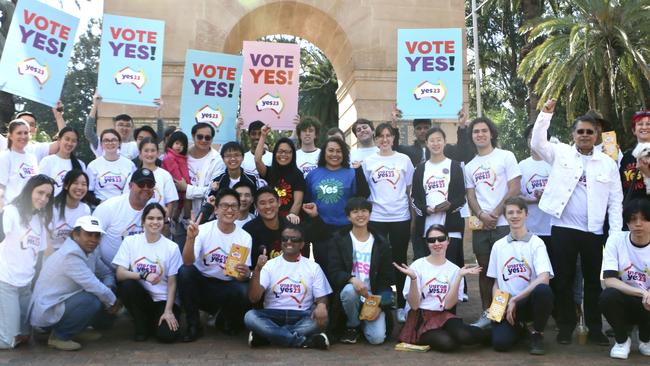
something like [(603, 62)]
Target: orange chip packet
[(498, 307), (370, 309), (237, 255), (610, 147), (474, 223)]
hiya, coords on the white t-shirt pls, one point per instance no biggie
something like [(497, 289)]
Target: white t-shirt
[(162, 258), (108, 178), (307, 161), (15, 171), (3, 143), (574, 215), (388, 178), (119, 220), (164, 192), (19, 251), (534, 176), (56, 168), (60, 228), (40, 149), (242, 222), (249, 163), (436, 189), (212, 246), (488, 175), (514, 264), (434, 283), (292, 285), (361, 153), (632, 263), (361, 254), (128, 150)]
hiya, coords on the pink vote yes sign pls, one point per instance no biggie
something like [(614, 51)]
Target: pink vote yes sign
[(270, 83)]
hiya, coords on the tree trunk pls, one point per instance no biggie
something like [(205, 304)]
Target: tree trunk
[(531, 10)]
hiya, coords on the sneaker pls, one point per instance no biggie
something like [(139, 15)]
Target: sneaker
[(644, 348), (465, 297), (62, 345), (483, 321), (401, 315), (621, 350), (598, 338), (536, 344), (317, 341), (350, 336), (564, 336), (88, 335), (256, 341)]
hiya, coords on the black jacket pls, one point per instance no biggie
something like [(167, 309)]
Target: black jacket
[(224, 181), (455, 196), (340, 262)]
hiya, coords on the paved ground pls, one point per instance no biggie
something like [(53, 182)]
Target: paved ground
[(117, 348)]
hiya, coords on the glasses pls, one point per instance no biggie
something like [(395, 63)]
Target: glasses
[(146, 184), (110, 141), (229, 206), (585, 131), (437, 239), (291, 239), (284, 152), (232, 156), (200, 137)]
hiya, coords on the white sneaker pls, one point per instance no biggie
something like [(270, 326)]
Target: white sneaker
[(483, 321), (465, 298), (621, 350), (644, 348), (401, 315)]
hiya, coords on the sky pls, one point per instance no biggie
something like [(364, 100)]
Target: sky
[(87, 9)]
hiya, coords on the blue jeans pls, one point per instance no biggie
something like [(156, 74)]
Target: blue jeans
[(375, 330), (289, 328), (81, 310), (14, 320)]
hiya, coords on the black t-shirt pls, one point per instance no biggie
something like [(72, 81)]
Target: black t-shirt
[(627, 171), (262, 235), (286, 182)]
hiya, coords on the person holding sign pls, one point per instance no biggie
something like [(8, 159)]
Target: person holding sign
[(283, 175), (433, 287), (626, 299), (290, 284), (202, 282), (520, 266), (147, 265)]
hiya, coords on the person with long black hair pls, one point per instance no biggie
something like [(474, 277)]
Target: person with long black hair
[(69, 205), (58, 165), (24, 221)]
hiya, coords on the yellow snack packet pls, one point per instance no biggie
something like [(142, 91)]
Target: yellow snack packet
[(474, 223), (370, 309), (237, 255), (610, 147), (411, 347), (498, 307)]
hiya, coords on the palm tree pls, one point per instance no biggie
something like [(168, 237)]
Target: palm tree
[(598, 51)]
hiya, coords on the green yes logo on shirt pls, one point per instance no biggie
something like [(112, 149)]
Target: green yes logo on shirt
[(330, 191)]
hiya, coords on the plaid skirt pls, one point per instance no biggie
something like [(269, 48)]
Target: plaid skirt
[(420, 321)]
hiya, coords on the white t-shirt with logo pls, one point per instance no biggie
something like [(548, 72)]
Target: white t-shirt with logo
[(574, 215), (108, 178), (119, 220), (56, 168), (249, 163), (212, 246), (632, 263), (515, 264), (488, 175), (388, 178), (164, 192), (307, 161), (15, 171), (360, 154), (60, 228), (361, 258), (434, 283), (128, 150), (435, 181), (534, 176), (162, 258), (292, 285), (20, 248)]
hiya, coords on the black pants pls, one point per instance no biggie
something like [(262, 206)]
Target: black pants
[(536, 307), (198, 292), (623, 311), (566, 245), (398, 235), (145, 312), (451, 336), (321, 242)]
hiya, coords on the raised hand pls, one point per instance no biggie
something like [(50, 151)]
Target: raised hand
[(261, 260), (265, 130), (395, 115), (549, 106), (193, 226), (406, 270), (310, 209), (462, 118)]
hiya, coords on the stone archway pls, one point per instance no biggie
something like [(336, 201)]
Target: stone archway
[(359, 38)]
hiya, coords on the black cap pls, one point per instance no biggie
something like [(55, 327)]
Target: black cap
[(143, 174)]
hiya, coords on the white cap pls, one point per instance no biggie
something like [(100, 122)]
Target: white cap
[(90, 224)]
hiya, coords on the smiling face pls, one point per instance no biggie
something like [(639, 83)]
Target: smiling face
[(516, 216), (245, 198), (178, 146), (437, 242), (124, 128), (78, 188), (481, 135), (19, 137), (436, 144), (228, 209), (421, 131), (141, 192), (307, 136), (68, 142), (359, 217), (284, 154), (384, 139), (87, 241), (142, 135), (363, 132), (333, 155), (41, 196), (233, 159), (267, 206), (292, 242), (110, 142), (584, 135), (642, 130), (203, 139), (154, 221), (149, 153), (254, 136)]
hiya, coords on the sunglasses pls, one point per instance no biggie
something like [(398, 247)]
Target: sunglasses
[(585, 131), (292, 239), (146, 184), (200, 137), (437, 239)]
